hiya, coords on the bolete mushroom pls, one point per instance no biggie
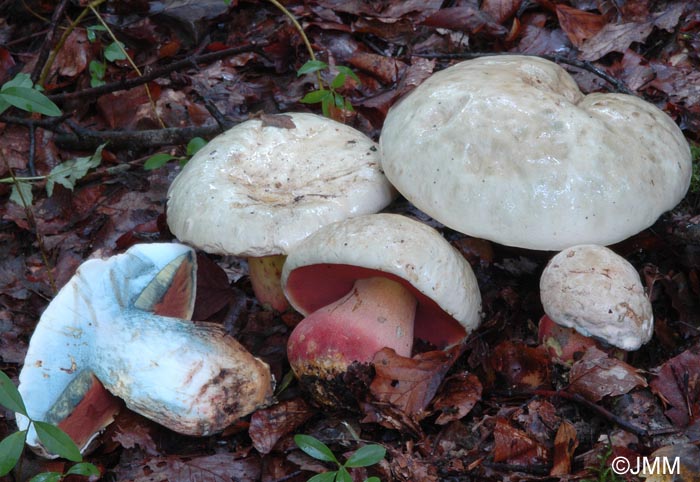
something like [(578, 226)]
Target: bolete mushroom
[(264, 185), (508, 149), (100, 328), (598, 293), (371, 282)]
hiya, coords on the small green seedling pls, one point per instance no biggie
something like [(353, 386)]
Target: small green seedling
[(112, 52), (362, 457), (603, 472), (53, 438), (162, 158), (328, 97), (695, 179), (21, 92), (66, 174)]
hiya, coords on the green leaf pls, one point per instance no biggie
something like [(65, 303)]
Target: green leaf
[(11, 448), (114, 51), (316, 96), (338, 100), (10, 397), (19, 80), (311, 66), (343, 475), (97, 73), (347, 71), (83, 468), (315, 448), (373, 479), (365, 456), (57, 441), (338, 81), (157, 160), (25, 189), (195, 144), (324, 477), (69, 172), (47, 477), (326, 106), (29, 99), (92, 31)]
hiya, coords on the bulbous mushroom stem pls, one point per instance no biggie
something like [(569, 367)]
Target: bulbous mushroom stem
[(376, 313), (265, 273)]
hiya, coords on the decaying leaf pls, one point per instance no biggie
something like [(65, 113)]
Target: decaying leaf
[(598, 375), (516, 447), (267, 426), (677, 383), (457, 397), (521, 366), (209, 468), (565, 444)]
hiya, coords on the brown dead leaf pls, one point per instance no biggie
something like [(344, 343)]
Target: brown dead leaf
[(500, 10), (72, 58), (579, 25), (458, 395), (618, 37), (386, 69), (565, 444), (677, 383), (597, 375), (515, 447), (213, 289), (520, 366), (465, 19), (210, 468), (269, 425), (410, 383)]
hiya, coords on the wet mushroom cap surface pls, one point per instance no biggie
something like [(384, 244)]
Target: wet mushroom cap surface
[(264, 185), (323, 268), (508, 149), (598, 293)]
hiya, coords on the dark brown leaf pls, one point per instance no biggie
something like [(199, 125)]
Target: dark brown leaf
[(598, 375), (515, 447), (465, 19), (520, 366), (579, 25), (211, 468), (269, 425), (500, 10), (565, 444), (677, 383), (457, 397)]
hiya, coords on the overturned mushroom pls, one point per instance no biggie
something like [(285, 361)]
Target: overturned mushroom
[(508, 149), (598, 293), (371, 282), (264, 185), (100, 328)]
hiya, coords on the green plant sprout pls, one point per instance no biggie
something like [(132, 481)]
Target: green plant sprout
[(53, 438), (328, 97), (111, 53), (66, 174), (362, 457), (162, 158), (20, 92), (695, 178), (603, 472)]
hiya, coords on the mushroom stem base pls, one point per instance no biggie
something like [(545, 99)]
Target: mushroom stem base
[(376, 313), (265, 273)]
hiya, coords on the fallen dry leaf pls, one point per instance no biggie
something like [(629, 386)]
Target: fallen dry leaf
[(565, 444), (515, 447), (677, 383), (210, 468), (578, 24), (597, 375), (520, 366), (269, 425), (457, 397)]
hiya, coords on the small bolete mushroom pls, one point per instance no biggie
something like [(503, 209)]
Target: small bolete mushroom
[(100, 328), (598, 293), (371, 282), (261, 187), (508, 149)]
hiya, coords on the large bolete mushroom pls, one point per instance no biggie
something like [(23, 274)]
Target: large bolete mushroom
[(264, 185), (598, 293), (371, 282), (100, 328), (508, 149)]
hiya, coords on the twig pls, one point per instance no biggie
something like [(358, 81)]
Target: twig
[(85, 139), (618, 85), (48, 42), (149, 75)]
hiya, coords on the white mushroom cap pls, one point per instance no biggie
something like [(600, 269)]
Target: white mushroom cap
[(258, 189), (323, 267), (508, 149), (598, 293)]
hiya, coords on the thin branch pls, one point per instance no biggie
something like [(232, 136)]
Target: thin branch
[(48, 42), (149, 75)]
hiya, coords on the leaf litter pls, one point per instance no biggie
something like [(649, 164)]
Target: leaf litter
[(502, 407)]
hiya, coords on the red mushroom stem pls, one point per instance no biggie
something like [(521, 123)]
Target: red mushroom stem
[(265, 273), (376, 313)]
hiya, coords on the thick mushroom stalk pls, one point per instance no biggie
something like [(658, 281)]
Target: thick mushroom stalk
[(191, 378), (376, 313), (265, 273)]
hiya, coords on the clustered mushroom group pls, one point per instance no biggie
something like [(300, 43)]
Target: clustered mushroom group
[(504, 148)]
